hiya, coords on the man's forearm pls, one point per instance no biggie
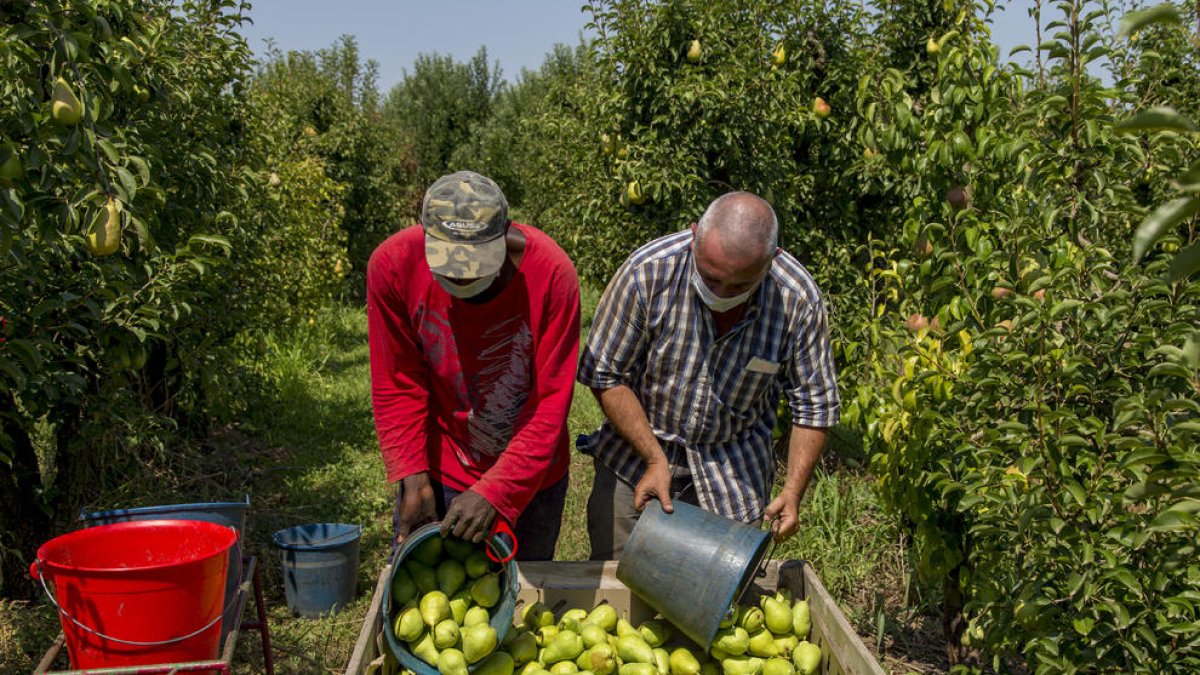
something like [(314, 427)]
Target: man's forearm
[(625, 412), (804, 450)]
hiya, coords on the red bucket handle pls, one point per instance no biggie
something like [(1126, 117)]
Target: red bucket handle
[(500, 526)]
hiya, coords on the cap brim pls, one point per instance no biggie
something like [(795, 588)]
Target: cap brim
[(456, 260)]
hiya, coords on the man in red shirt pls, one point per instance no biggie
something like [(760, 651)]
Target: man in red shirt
[(474, 332)]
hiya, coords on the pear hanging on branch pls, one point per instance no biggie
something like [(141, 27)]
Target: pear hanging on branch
[(104, 238), (65, 107)]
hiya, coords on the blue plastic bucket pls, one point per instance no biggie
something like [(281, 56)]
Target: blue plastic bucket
[(320, 566), (229, 514), (502, 613), (691, 565)]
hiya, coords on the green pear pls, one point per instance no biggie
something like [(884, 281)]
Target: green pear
[(637, 669), (600, 659), (762, 645), (566, 646), (536, 615), (718, 655), (683, 662), (65, 107), (778, 616), (807, 658), (654, 632), (752, 620), (593, 635), (778, 666), (458, 548), (523, 648), (477, 564), (564, 668), (452, 662), (734, 641), (477, 615), (11, 169), (625, 628), (569, 623), (486, 590), (478, 641), (742, 665), (785, 596), (422, 575), (533, 668), (445, 634), (428, 552), (604, 616), (633, 649), (450, 576), (801, 619), (460, 604), (424, 649), (403, 588), (545, 635), (435, 608), (499, 663), (409, 625), (662, 661), (576, 614), (786, 644)]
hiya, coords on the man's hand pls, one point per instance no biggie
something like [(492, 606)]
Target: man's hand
[(656, 482), (417, 504), (470, 517), (784, 514)]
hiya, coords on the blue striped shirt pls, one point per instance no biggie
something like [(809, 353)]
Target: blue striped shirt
[(714, 397)]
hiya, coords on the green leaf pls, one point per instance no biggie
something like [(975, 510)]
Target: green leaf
[(1160, 221), (211, 239), (1138, 19), (1156, 119), (1076, 490), (1064, 306), (1186, 262)]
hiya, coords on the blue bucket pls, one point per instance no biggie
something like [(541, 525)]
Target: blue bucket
[(691, 565), (320, 566), (502, 614), (229, 514)]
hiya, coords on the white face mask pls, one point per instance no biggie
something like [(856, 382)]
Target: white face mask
[(715, 302), (466, 290)]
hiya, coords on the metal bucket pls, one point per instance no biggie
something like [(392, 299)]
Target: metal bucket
[(691, 565)]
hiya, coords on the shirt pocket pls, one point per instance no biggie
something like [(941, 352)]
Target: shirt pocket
[(745, 388)]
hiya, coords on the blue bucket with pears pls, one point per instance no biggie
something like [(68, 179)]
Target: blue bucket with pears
[(451, 601)]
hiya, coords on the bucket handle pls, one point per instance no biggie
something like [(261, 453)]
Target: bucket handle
[(500, 526), (35, 571)]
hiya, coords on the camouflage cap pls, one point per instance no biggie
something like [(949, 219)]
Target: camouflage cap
[(465, 217)]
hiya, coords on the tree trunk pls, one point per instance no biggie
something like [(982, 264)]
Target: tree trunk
[(24, 525), (953, 624)]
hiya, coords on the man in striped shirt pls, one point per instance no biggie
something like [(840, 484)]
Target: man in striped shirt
[(693, 342)]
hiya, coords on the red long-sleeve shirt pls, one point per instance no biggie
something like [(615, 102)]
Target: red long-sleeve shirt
[(475, 394)]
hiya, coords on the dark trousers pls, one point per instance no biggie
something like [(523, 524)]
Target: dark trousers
[(610, 512), (537, 529)]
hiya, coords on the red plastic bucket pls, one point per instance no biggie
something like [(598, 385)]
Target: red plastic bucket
[(140, 592)]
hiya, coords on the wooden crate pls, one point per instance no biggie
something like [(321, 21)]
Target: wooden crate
[(564, 584)]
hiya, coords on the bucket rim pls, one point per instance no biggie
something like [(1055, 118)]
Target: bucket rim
[(353, 533), (86, 515), (98, 531)]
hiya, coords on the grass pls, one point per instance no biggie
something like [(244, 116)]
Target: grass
[(307, 453)]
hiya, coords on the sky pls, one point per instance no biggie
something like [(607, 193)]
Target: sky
[(518, 34)]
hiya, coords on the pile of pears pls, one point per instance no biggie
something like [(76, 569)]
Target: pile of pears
[(445, 593), (443, 596)]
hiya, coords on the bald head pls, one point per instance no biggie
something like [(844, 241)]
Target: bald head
[(742, 225), (734, 243)]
